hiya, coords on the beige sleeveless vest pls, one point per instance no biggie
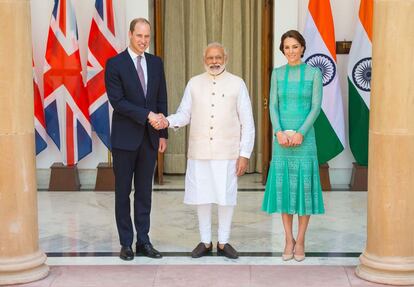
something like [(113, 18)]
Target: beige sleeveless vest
[(215, 125)]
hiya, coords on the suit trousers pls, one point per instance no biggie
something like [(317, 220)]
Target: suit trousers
[(140, 165)]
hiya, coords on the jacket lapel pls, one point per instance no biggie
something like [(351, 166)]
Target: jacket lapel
[(149, 75), (132, 70)]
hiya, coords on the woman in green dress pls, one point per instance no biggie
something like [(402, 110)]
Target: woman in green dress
[(293, 184)]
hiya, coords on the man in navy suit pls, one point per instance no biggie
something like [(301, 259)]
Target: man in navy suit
[(136, 88)]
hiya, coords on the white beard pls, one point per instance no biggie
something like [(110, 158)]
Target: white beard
[(215, 70)]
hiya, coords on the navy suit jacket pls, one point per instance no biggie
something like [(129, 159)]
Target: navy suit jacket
[(131, 107)]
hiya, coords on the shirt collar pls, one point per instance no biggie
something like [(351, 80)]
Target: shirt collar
[(134, 55)]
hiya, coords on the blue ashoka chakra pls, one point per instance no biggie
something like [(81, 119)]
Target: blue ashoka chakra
[(325, 64), (361, 74)]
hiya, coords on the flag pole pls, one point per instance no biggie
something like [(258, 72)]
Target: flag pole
[(109, 158)]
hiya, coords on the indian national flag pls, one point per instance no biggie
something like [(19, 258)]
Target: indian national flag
[(320, 52), (359, 83)]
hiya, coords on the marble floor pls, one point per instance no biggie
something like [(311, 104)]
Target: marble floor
[(202, 276), (84, 222), (77, 231)]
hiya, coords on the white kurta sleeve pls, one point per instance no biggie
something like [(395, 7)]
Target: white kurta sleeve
[(244, 110), (183, 115)]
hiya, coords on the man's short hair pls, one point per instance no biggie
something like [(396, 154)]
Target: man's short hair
[(138, 20), (214, 44)]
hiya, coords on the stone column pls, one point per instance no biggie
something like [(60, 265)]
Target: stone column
[(389, 254), (20, 258)]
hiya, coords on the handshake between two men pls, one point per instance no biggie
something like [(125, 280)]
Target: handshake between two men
[(158, 121)]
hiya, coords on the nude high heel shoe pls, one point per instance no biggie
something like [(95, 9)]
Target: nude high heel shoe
[(299, 258), (287, 257)]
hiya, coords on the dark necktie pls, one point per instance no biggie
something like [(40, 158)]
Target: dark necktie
[(141, 77)]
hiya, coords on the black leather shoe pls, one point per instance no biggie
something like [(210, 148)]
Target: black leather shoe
[(201, 250), (126, 253), (227, 251), (148, 251)]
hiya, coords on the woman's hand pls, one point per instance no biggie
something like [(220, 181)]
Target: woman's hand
[(282, 139), (296, 139)]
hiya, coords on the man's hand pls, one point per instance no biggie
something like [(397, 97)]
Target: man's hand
[(163, 121), (152, 116), (163, 145), (157, 121), (241, 165)]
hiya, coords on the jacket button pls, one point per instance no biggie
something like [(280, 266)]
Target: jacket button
[(211, 128), (211, 139), (213, 93), (212, 105), (212, 116)]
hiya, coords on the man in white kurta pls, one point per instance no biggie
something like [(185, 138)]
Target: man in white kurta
[(217, 106)]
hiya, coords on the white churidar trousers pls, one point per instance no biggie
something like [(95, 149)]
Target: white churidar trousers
[(225, 215)]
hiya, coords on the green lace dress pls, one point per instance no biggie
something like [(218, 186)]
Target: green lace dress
[(293, 184)]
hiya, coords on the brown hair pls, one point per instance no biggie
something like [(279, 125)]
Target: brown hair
[(138, 20), (295, 35)]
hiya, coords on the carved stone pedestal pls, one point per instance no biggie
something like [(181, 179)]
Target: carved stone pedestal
[(27, 268), (105, 179), (64, 178), (324, 175), (359, 178)]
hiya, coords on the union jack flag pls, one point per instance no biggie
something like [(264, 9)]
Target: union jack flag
[(102, 44), (65, 98), (39, 119)]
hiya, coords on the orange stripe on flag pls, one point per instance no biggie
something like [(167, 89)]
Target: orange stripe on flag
[(366, 10), (322, 16)]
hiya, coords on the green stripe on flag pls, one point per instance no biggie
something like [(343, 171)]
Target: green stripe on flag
[(327, 141), (358, 125)]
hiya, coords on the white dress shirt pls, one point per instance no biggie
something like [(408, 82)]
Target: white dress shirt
[(134, 56)]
